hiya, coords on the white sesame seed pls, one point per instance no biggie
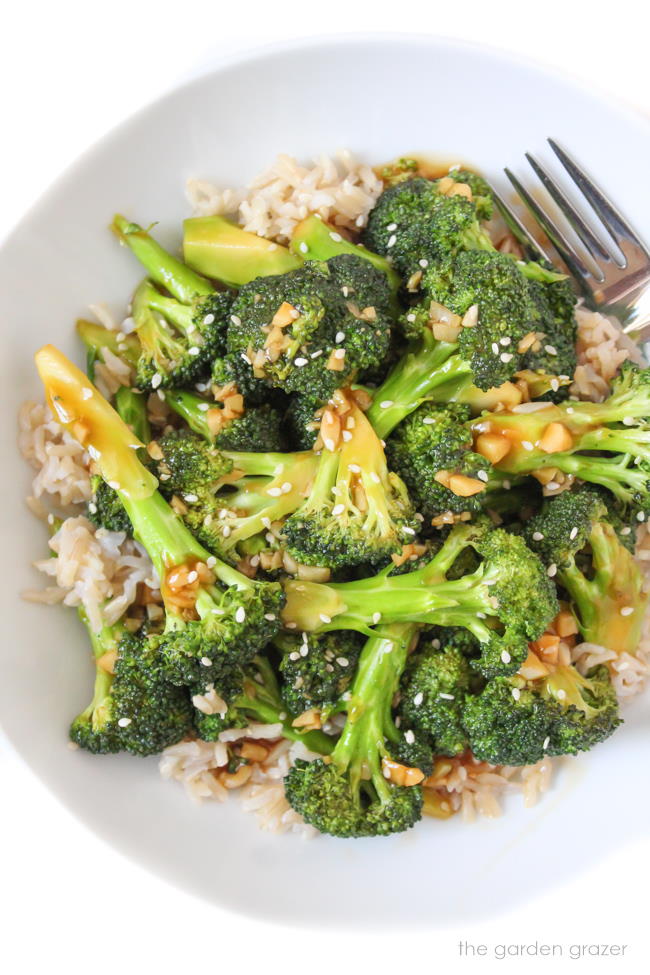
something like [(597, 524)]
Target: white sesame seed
[(516, 693), (561, 693), (294, 655), (114, 484), (86, 393), (206, 661), (506, 340), (211, 562), (347, 436), (304, 650), (92, 508), (240, 615), (495, 348), (376, 617), (391, 227), (409, 737), (547, 742), (329, 443), (392, 240), (553, 485), (482, 476), (156, 380), (204, 407), (626, 531), (552, 570), (573, 533), (354, 468), (336, 237), (339, 353), (286, 487), (303, 248), (324, 618), (316, 354), (435, 644), (343, 661), (124, 722), (418, 699), (628, 421), (339, 337), (481, 615), (423, 262), (274, 492), (300, 361), (411, 317), (506, 356), (235, 319), (374, 476), (527, 445), (640, 516), (194, 350), (408, 530), (291, 626), (570, 409), (191, 498), (550, 349), (505, 656), (627, 610), (245, 358), (345, 290), (386, 404), (208, 319), (447, 697), (192, 576), (266, 522), (225, 531), (537, 536), (164, 477), (338, 509), (429, 420)]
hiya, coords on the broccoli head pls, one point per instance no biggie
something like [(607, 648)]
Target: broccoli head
[(433, 690), (316, 669), (361, 790)]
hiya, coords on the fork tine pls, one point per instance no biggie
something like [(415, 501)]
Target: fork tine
[(584, 232), (518, 230), (607, 213), (557, 238)]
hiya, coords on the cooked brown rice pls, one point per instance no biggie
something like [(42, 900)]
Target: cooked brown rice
[(102, 570)]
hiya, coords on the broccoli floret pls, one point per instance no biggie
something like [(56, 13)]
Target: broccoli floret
[(356, 511), (134, 707), (253, 694), (351, 795), (317, 669), (433, 690), (230, 497), (216, 618), (235, 369), (415, 225), (578, 532), (604, 443), (302, 420), (431, 451), (257, 429), (517, 722), (481, 192), (506, 602), (299, 333), (105, 510), (553, 354), (399, 170), (180, 336)]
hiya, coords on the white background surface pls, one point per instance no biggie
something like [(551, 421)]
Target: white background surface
[(68, 72)]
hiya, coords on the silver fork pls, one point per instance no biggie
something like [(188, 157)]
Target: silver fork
[(613, 273)]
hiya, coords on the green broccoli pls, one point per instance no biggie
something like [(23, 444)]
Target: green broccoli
[(518, 722), (180, 336), (505, 602), (577, 531), (356, 511), (134, 707), (96, 338), (257, 429), (299, 333), (604, 443), (352, 795), (315, 240), (216, 619), (317, 669), (433, 690), (254, 695)]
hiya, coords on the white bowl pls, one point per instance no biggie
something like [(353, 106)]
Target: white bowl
[(380, 97)]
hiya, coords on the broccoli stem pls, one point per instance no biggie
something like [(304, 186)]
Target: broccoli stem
[(164, 269), (132, 408), (96, 338), (362, 744), (102, 642), (173, 311), (413, 380), (186, 405)]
